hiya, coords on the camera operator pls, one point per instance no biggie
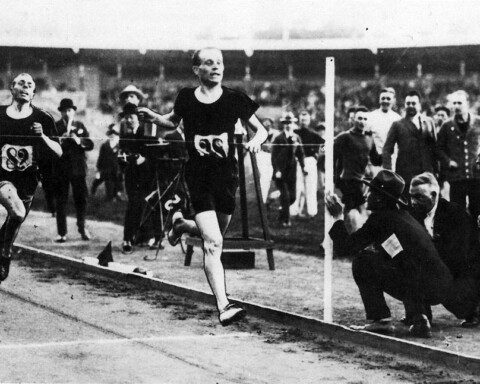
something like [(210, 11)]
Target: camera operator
[(139, 175)]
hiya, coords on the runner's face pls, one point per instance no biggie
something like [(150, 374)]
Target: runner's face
[(23, 88), (210, 70)]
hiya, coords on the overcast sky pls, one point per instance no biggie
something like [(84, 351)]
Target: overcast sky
[(143, 24)]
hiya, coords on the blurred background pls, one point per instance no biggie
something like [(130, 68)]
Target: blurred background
[(273, 50)]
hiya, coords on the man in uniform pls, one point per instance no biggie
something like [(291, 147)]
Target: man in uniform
[(27, 147)]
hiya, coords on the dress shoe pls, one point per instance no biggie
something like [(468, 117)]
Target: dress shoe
[(155, 244), (4, 267), (61, 239), (421, 327), (473, 320), (127, 247)]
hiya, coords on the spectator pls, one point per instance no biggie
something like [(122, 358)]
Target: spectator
[(108, 169), (307, 184), (72, 170), (286, 147), (458, 147), (456, 239), (139, 178), (415, 138), (404, 262), (264, 159), (352, 151), (381, 119), (442, 114)]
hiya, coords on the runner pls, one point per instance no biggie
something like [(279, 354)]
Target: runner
[(26, 144), (209, 114)]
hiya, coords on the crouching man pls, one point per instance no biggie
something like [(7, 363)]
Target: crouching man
[(404, 262)]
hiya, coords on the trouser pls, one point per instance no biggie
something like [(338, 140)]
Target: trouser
[(374, 274), (463, 296), (139, 183), (80, 193), (459, 190), (265, 170), (112, 185), (306, 195), (49, 192), (287, 188), (10, 228)]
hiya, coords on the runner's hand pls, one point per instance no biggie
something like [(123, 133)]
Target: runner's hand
[(253, 146), (37, 129)]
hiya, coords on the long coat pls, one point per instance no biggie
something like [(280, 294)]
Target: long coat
[(416, 148), (74, 159)]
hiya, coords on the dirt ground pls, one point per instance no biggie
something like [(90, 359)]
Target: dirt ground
[(295, 286), (65, 326)]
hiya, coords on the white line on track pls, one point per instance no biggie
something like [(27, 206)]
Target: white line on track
[(123, 341)]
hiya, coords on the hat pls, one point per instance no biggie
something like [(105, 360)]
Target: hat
[(65, 104), (131, 89), (111, 130), (390, 184), (442, 108), (288, 117), (129, 109)]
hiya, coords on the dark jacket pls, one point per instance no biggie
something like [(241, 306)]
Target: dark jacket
[(311, 142), (74, 159), (463, 148), (284, 152), (416, 149), (455, 236), (107, 162), (418, 259)]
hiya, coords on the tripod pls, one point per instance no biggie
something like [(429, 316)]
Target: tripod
[(159, 196)]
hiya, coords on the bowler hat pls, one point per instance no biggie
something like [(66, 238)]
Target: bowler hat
[(390, 184), (65, 104), (288, 117), (131, 89), (111, 130), (129, 109)]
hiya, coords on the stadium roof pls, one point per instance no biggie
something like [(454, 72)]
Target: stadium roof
[(247, 25)]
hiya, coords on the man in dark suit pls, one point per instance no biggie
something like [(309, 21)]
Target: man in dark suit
[(285, 150), (72, 169), (456, 239), (404, 263), (415, 137)]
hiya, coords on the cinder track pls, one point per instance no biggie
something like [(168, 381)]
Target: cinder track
[(59, 324)]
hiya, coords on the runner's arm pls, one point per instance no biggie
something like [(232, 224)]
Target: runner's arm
[(261, 134), (169, 120)]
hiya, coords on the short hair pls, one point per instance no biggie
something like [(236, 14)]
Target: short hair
[(24, 74), (413, 93), (388, 90), (425, 178), (196, 61), (442, 108), (463, 93), (361, 108), (351, 110)]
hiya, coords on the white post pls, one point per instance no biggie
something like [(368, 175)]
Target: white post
[(327, 243)]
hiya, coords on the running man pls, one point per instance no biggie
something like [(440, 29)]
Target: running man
[(26, 147), (209, 114)]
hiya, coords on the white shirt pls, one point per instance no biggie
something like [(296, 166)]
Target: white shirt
[(380, 123), (430, 219)]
